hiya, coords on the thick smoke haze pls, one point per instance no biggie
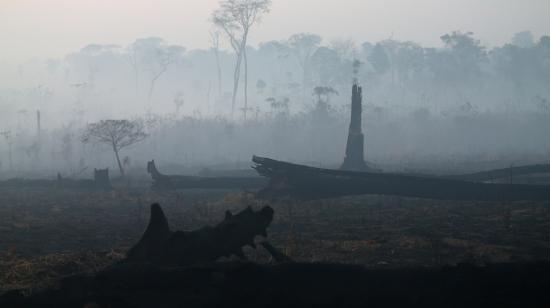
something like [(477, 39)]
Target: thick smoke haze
[(367, 153), (53, 28), (443, 81)]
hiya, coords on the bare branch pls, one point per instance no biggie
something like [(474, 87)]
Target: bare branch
[(116, 133)]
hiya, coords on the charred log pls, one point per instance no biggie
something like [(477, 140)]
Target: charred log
[(159, 245), (287, 179), (503, 173), (100, 181), (162, 181)]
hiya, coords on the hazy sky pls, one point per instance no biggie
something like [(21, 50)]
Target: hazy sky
[(52, 28)]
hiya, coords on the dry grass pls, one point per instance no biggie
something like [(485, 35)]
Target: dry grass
[(45, 235), (36, 273)]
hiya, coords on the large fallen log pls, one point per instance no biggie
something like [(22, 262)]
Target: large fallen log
[(287, 179), (162, 181), (503, 173)]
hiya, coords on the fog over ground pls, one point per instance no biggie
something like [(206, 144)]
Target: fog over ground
[(444, 82)]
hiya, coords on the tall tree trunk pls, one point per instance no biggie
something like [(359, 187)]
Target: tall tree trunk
[(236, 77), (219, 71), (115, 149), (245, 82), (153, 83)]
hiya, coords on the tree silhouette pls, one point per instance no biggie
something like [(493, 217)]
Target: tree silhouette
[(155, 57), (465, 53), (323, 95), (523, 39), (118, 134), (236, 18)]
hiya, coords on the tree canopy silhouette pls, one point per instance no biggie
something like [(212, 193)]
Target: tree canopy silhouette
[(118, 134)]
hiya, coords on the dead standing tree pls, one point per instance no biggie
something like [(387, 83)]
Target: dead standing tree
[(236, 18), (155, 57), (118, 134), (159, 63), (354, 159)]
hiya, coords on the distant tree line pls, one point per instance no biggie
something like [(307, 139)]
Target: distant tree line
[(299, 90)]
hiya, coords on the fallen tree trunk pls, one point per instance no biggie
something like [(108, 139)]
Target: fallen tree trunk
[(162, 181), (287, 179), (503, 173)]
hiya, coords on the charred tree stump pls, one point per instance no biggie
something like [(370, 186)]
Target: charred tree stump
[(161, 246), (159, 180), (101, 178), (100, 181), (354, 159)]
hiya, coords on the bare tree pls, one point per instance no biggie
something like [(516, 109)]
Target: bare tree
[(155, 57), (236, 18), (118, 134), (323, 95), (164, 58)]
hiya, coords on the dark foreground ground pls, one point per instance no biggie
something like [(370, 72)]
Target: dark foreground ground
[(49, 234), (235, 284)]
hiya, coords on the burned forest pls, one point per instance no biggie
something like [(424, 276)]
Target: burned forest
[(275, 153)]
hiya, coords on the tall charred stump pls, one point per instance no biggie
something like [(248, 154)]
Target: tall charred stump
[(354, 159)]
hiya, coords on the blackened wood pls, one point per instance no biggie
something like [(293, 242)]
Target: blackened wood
[(162, 181), (287, 179), (354, 159)]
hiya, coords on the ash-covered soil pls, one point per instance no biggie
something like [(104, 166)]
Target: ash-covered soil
[(47, 234)]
